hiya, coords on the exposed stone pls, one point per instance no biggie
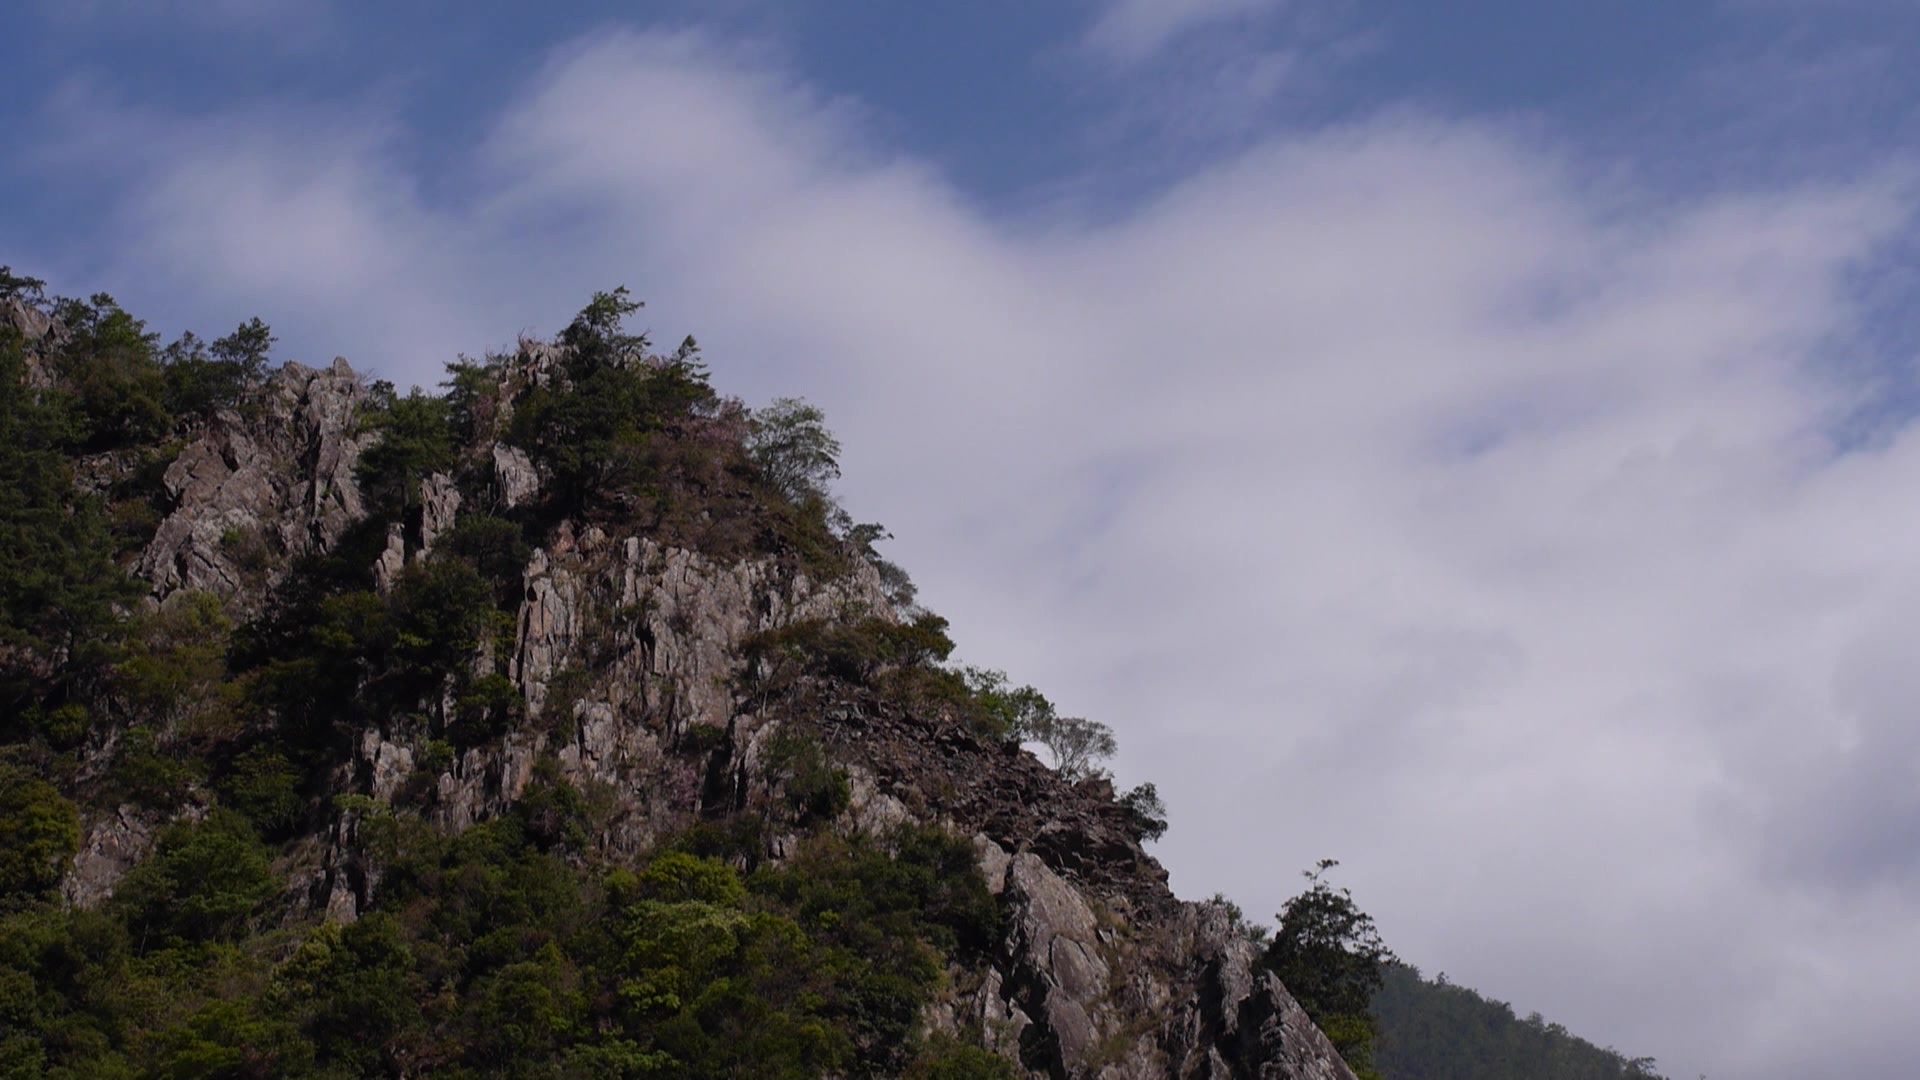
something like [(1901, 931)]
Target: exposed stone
[(439, 505), (390, 764), (32, 323), (392, 560), (109, 848), (514, 479), (251, 491)]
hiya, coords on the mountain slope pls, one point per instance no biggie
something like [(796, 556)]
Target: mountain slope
[(533, 729), (1435, 1030)]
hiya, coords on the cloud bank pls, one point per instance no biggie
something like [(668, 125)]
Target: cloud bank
[(1398, 490)]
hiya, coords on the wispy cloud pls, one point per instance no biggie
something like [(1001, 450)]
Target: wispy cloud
[(1398, 492), (1132, 30)]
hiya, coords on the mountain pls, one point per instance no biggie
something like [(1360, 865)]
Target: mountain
[(1431, 1029), (556, 725)]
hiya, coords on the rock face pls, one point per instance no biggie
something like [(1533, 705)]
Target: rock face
[(251, 492), (625, 653), (35, 328)]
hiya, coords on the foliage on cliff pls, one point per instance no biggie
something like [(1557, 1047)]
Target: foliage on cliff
[(518, 946)]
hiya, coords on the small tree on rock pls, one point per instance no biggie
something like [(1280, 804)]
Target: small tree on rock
[(1331, 958), (790, 443)]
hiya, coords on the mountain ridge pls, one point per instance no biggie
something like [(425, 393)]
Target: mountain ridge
[(446, 619)]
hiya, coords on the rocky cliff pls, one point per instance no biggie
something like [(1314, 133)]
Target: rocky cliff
[(624, 652)]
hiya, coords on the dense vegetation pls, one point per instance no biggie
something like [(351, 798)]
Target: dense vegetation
[(505, 951), (517, 947), (1431, 1029)]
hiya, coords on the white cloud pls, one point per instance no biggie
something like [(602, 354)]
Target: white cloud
[(1397, 494)]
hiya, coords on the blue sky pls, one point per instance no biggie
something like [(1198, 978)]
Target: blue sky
[(1467, 440)]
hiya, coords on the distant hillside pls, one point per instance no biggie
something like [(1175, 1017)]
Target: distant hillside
[(1434, 1030)]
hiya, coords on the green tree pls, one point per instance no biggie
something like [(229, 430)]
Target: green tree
[(1148, 810), (247, 349), (598, 337), (473, 388), (39, 833), (592, 430), (108, 366), (1331, 958), (793, 449), (351, 990), (201, 379), (416, 440), (1010, 712), (30, 291), (1077, 745), (60, 591), (204, 882)]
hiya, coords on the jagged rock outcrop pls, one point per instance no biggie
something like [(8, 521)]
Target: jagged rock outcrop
[(253, 491), (625, 653), (113, 844), (37, 329), (1083, 991)]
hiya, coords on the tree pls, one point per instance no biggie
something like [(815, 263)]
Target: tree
[(204, 882), (39, 832), (1332, 960), (416, 439), (30, 291), (1013, 712), (247, 349), (203, 379), (108, 366), (473, 387), (597, 337), (60, 590), (1077, 745), (1023, 714), (591, 430), (790, 443), (893, 578), (1148, 810)]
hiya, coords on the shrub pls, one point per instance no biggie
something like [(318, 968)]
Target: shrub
[(791, 446), (264, 786), (108, 367), (1148, 811), (854, 651), (590, 431), (946, 1058), (204, 882), (39, 834), (201, 380), (416, 439), (814, 789)]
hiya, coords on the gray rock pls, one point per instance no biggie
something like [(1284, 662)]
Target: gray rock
[(250, 493), (439, 506), (109, 848), (514, 479)]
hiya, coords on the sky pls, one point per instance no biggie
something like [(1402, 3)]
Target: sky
[(1475, 441)]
